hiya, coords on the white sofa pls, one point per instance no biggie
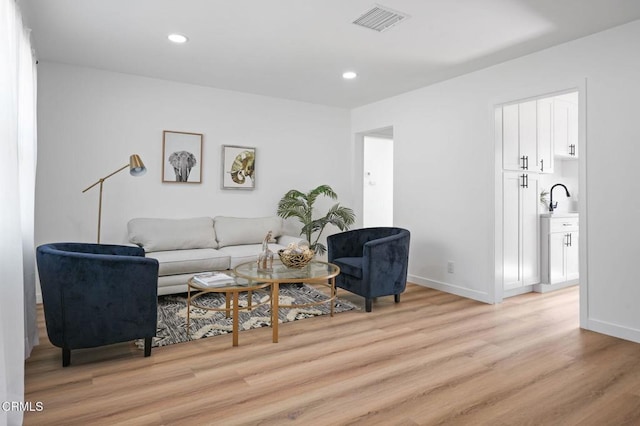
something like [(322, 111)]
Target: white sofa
[(184, 247)]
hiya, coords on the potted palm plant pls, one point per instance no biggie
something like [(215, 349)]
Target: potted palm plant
[(300, 205)]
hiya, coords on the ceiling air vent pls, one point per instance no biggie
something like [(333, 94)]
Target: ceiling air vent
[(380, 18)]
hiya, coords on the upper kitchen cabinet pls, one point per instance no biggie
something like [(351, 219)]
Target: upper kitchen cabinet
[(527, 137), (545, 135), (519, 136), (565, 125)]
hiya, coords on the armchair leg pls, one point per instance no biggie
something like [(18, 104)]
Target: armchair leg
[(66, 357), (396, 298), (147, 346), (367, 304)]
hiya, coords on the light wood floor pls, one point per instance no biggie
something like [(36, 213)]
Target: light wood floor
[(435, 358)]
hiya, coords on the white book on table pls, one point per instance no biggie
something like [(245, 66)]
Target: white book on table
[(213, 279)]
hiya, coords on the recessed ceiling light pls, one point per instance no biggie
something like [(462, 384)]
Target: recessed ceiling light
[(349, 75), (177, 38)]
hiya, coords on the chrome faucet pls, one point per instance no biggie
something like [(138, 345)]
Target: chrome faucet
[(552, 206)]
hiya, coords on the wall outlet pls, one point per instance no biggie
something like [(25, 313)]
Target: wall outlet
[(450, 267)]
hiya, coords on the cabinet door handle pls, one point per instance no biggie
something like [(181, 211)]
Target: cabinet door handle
[(542, 165), (567, 240), (566, 224), (526, 159), (524, 165), (525, 181), (572, 149), (570, 240)]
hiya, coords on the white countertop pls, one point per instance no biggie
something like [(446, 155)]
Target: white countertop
[(559, 215)]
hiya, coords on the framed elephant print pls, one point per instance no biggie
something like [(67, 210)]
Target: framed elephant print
[(238, 167), (181, 157)]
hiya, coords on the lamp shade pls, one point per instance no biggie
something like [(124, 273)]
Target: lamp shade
[(136, 166)]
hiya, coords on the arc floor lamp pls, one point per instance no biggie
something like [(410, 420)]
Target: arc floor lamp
[(136, 168)]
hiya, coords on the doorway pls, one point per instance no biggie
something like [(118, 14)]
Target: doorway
[(537, 146), (377, 180)]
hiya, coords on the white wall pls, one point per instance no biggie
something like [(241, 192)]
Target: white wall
[(445, 160), (90, 121)]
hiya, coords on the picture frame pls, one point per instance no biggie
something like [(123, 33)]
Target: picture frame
[(181, 157), (238, 167)]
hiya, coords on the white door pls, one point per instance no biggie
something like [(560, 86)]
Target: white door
[(557, 274), (561, 127), (512, 274), (528, 135), (521, 230), (510, 138), (572, 267), (545, 136), (573, 130), (377, 188)]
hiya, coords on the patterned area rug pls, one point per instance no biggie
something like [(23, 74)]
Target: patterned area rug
[(172, 313)]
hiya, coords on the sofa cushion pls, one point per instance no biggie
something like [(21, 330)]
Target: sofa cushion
[(190, 261), (172, 234), (233, 231), (247, 253), (350, 266)]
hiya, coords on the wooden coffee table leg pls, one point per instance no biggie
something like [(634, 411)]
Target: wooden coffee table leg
[(275, 295), (188, 311), (333, 293), (235, 318)]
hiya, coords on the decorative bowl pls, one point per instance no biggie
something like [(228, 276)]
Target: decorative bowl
[(296, 260)]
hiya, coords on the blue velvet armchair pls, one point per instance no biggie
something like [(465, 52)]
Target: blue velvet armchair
[(373, 261), (97, 294)]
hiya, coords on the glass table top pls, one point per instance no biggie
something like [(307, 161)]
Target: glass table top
[(236, 283), (314, 270)]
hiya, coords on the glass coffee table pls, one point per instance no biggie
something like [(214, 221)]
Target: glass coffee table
[(315, 272), (232, 291)]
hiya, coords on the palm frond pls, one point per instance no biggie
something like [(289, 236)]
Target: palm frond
[(294, 193), (288, 207), (341, 217), (300, 205), (319, 248), (321, 190)]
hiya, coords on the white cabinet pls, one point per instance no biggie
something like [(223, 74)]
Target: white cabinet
[(565, 128), (527, 136), (519, 136), (521, 230), (559, 249), (545, 135)]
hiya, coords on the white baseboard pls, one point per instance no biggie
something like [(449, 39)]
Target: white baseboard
[(451, 288), (614, 330), (517, 291), (545, 288)]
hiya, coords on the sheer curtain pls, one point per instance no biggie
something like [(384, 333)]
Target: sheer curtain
[(17, 181)]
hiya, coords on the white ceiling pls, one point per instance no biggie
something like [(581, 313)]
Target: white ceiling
[(298, 49)]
